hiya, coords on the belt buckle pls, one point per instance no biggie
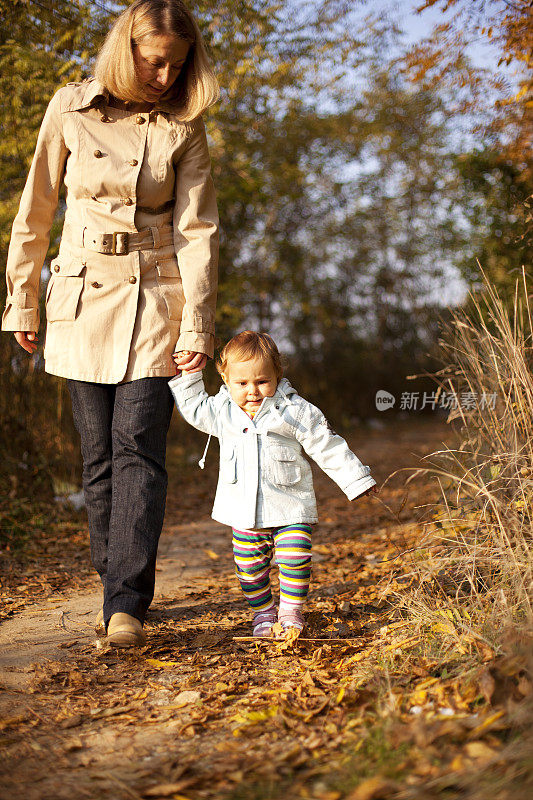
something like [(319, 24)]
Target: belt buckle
[(120, 244)]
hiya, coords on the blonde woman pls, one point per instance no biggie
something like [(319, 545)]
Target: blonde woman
[(133, 290)]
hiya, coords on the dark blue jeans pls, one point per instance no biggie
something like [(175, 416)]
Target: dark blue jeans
[(123, 430)]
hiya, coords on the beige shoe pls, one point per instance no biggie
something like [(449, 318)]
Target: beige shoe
[(99, 625), (125, 631)]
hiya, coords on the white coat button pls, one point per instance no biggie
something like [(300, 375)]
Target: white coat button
[(57, 268), (133, 279)]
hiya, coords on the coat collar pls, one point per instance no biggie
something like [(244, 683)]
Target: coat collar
[(91, 93)]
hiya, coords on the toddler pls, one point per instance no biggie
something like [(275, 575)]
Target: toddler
[(265, 490)]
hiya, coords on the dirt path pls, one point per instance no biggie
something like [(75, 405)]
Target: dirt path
[(202, 712), (50, 628)]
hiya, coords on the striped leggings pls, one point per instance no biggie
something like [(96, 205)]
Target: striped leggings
[(253, 550)]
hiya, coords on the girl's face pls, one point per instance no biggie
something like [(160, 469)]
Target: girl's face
[(250, 381), (158, 62)]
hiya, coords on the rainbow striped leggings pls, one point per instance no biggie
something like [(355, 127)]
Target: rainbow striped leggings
[(253, 550)]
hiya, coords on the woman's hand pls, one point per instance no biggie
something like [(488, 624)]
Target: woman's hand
[(27, 340), (190, 361)]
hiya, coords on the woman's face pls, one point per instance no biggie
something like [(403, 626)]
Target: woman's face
[(158, 62)]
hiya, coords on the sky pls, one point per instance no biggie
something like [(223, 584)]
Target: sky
[(417, 26)]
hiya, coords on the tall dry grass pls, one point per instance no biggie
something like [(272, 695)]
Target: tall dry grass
[(474, 571)]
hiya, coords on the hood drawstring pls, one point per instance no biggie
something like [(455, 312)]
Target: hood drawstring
[(201, 463)]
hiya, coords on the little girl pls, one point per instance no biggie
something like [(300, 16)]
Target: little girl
[(265, 490)]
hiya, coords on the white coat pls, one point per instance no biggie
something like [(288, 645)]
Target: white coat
[(264, 480)]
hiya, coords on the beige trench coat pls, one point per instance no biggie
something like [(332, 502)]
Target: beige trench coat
[(116, 316)]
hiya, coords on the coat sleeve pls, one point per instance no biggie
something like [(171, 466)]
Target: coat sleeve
[(194, 404), (196, 242), (30, 236), (331, 452)]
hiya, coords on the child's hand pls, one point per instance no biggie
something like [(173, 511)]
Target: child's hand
[(188, 361), (372, 490)]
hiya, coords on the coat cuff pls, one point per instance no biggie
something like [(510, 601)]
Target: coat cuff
[(197, 342), (358, 487), (185, 386), (20, 319)]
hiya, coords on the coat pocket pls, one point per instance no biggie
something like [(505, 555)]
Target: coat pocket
[(169, 281), (283, 468), (228, 465), (64, 291)]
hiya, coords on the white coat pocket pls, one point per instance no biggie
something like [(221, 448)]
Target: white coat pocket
[(64, 291), (228, 464), (282, 466)]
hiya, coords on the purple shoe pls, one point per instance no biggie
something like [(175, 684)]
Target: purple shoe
[(263, 622), (291, 619)]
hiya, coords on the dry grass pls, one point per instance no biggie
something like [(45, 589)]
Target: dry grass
[(474, 574)]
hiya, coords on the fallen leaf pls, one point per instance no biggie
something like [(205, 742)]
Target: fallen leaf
[(487, 723), (373, 789), (186, 698), (479, 750), (71, 722), (155, 662), (168, 789)]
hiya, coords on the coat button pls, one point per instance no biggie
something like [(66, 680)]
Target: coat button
[(95, 285), (133, 162), (57, 268), (128, 201), (98, 154), (133, 279), (104, 118), (245, 430), (140, 120)]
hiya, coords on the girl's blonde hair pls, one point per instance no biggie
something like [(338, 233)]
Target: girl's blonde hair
[(247, 345), (195, 88)]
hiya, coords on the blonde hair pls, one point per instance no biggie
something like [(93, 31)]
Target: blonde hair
[(247, 345), (196, 86)]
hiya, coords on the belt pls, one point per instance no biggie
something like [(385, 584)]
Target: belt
[(121, 243)]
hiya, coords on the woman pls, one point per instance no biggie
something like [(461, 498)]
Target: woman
[(134, 285)]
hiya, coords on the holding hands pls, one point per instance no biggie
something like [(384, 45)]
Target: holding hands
[(188, 361)]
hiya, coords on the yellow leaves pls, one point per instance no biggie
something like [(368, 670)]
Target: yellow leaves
[(212, 555), (155, 662), (340, 695), (488, 723), (419, 698), (245, 719), (376, 788)]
